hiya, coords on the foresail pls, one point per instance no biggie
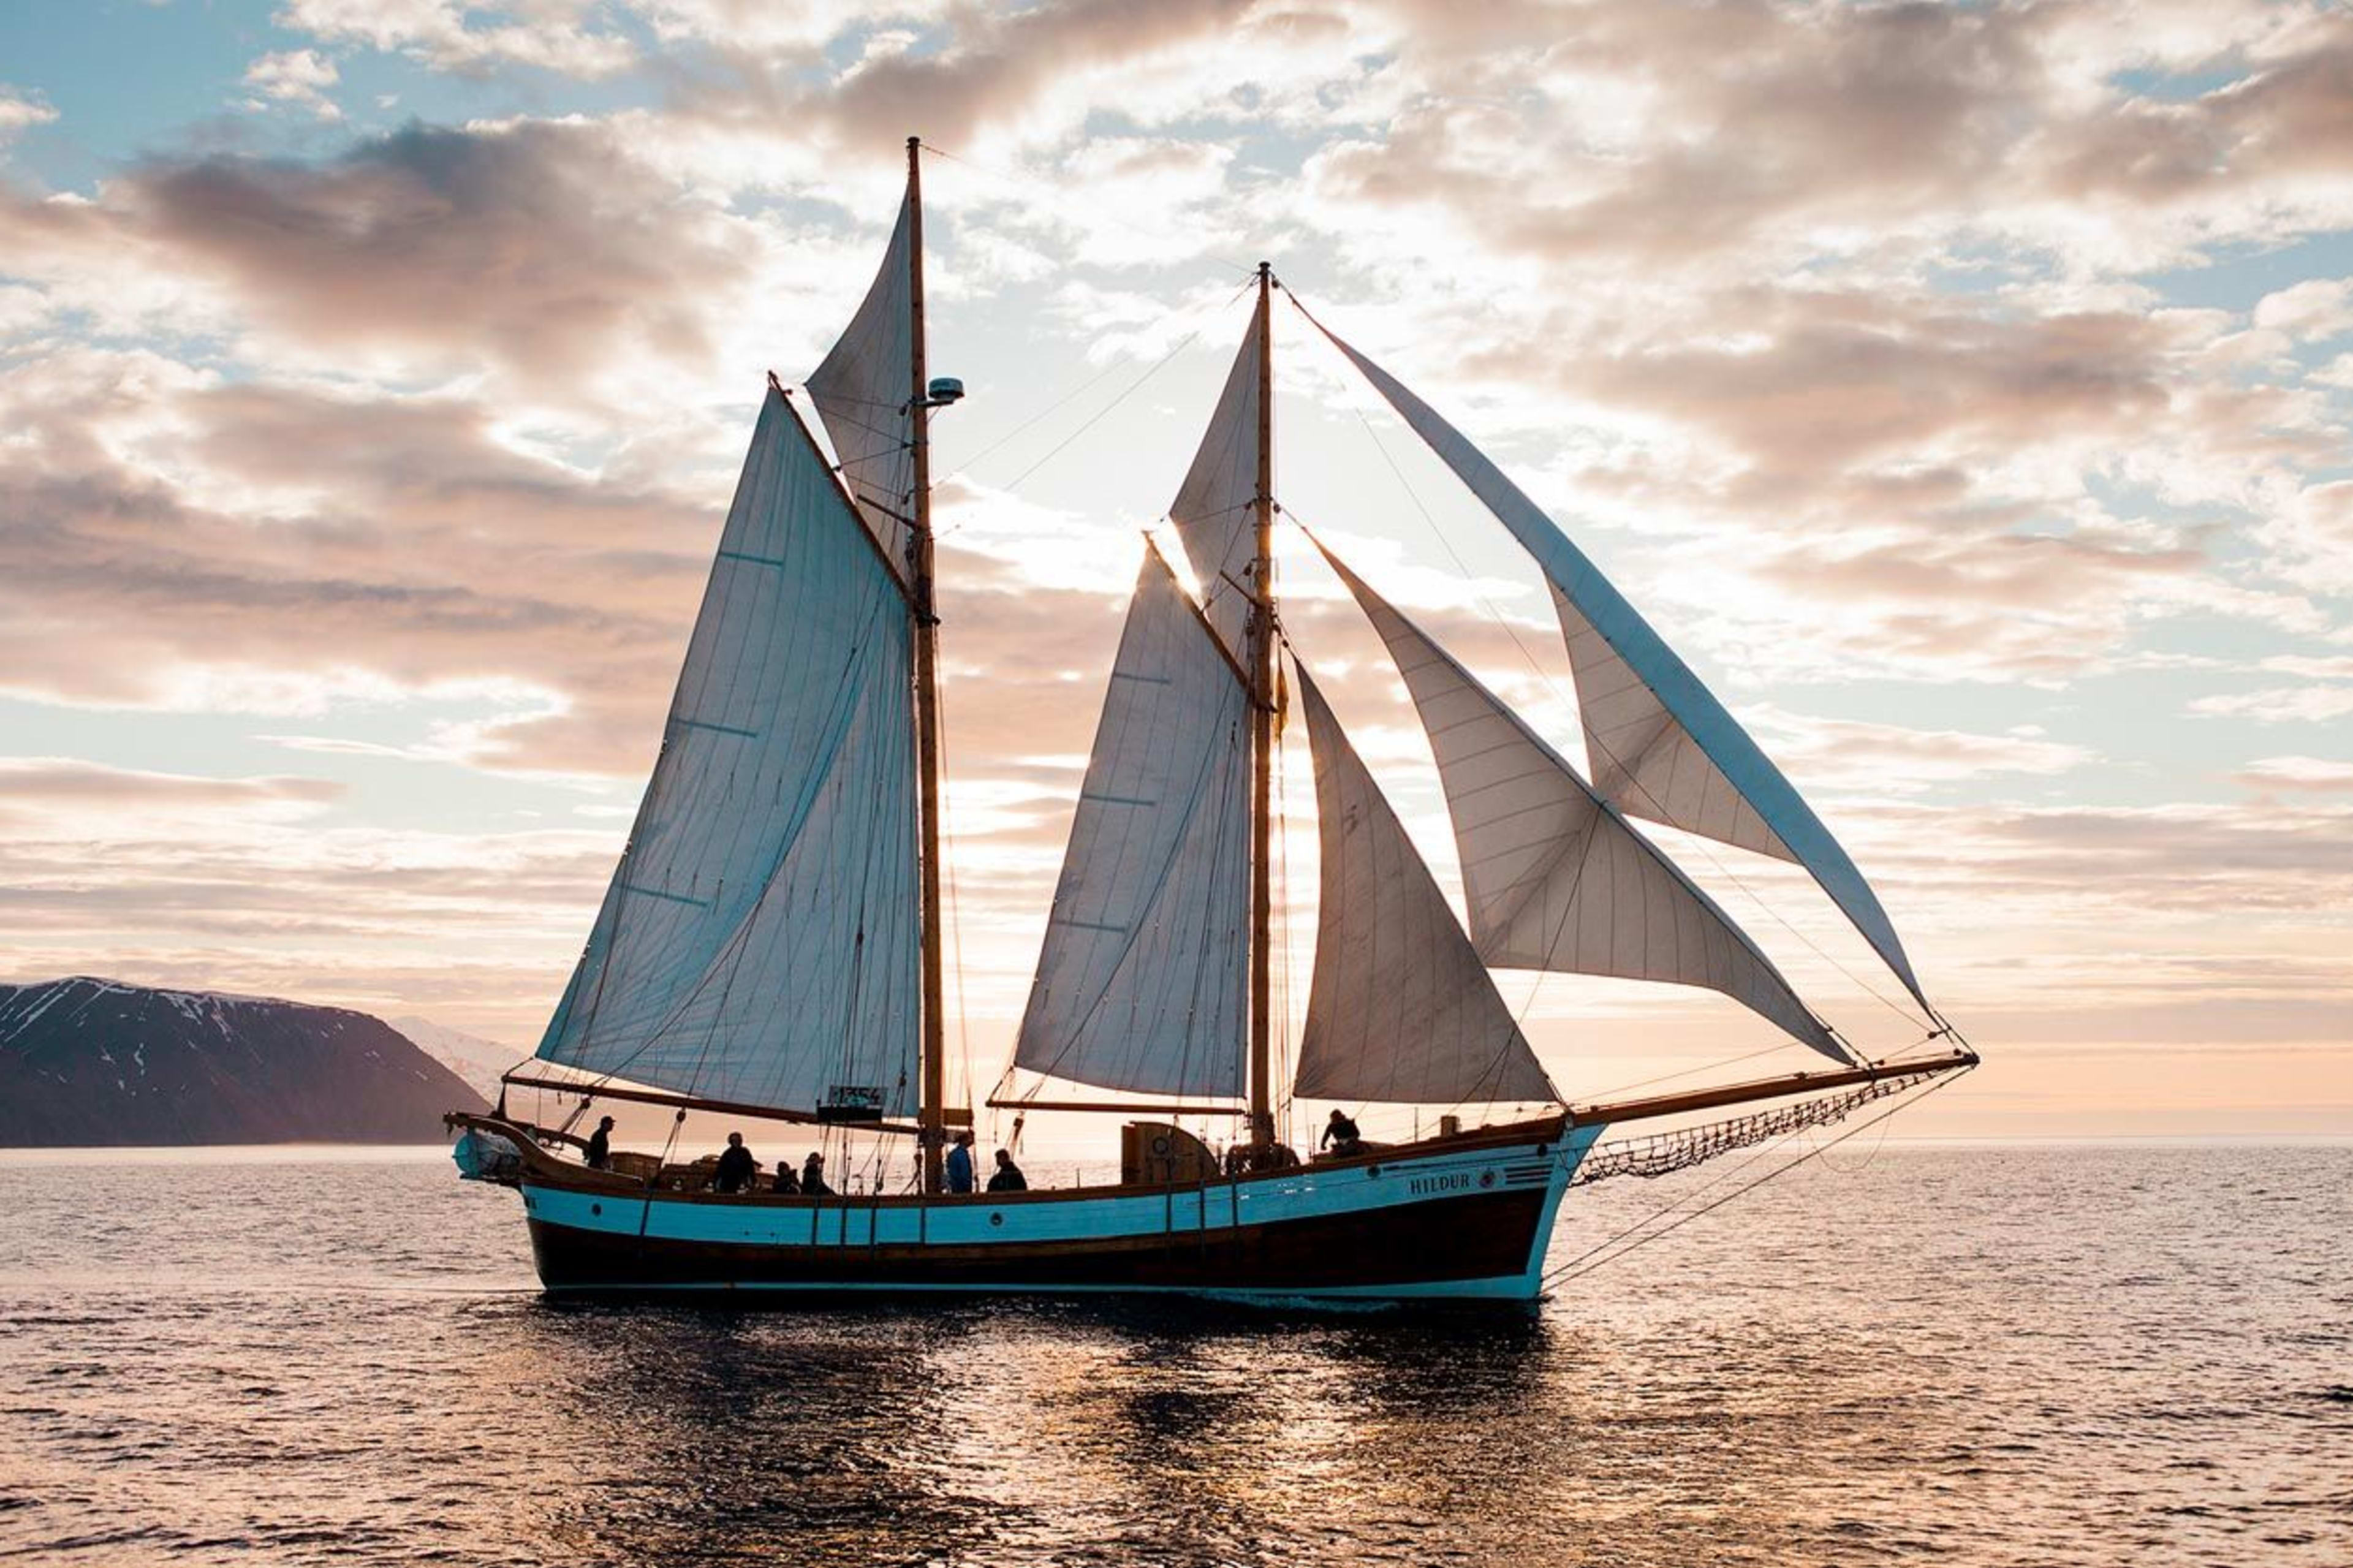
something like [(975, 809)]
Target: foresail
[(1554, 877), (1665, 748), (862, 391), (1399, 1008), (759, 940), (1642, 760), (1212, 511), (1141, 984)]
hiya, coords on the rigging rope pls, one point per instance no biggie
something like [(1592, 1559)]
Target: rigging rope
[(1542, 673), (1662, 1153), (1132, 388), (1587, 1261), (1093, 215)]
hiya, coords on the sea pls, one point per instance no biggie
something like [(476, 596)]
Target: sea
[(2102, 1353)]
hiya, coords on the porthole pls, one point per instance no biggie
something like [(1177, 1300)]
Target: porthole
[(595, 1208), (996, 1219), (1486, 1178), (1372, 1170)]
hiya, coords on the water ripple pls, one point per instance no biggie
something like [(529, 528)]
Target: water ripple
[(1989, 1356)]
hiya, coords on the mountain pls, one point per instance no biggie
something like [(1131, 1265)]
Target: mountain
[(479, 1062), (87, 1062)]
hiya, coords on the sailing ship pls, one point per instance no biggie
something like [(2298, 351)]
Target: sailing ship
[(770, 944)]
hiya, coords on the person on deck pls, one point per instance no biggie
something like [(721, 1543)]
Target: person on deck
[(1341, 1135), (1008, 1176), (959, 1164), (736, 1168), (785, 1182), (599, 1152), (813, 1178)]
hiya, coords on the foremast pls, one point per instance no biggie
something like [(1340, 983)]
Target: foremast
[(1260, 651)]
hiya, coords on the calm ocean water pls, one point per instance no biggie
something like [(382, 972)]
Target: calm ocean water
[(2034, 1356)]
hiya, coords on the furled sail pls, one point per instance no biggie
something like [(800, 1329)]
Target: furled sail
[(1663, 747), (1554, 877), (759, 940), (1140, 982), (862, 391), (1212, 511), (1399, 1008)]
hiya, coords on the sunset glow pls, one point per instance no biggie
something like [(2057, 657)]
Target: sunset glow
[(1966, 393)]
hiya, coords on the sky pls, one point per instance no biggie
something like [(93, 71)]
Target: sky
[(1964, 391)]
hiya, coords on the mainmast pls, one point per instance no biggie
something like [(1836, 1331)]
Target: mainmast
[(931, 1113), (1261, 674)]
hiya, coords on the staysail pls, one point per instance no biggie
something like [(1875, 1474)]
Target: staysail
[(1553, 877), (1141, 985), (758, 941), (1399, 1007), (1212, 511), (862, 391), (1663, 747)]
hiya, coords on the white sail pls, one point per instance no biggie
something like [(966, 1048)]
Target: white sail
[(1400, 1008), (1691, 760), (862, 391), (1140, 982), (1642, 760), (1554, 877), (759, 940), (1213, 508)]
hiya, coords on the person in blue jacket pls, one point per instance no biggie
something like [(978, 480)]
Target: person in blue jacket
[(959, 1164)]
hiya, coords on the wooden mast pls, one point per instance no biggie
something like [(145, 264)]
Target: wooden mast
[(932, 1103), (1262, 671)]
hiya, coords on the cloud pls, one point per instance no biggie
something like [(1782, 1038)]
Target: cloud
[(990, 82), (2280, 704), (550, 35), (541, 250), (297, 77), (2310, 536), (1850, 757), (262, 549), (54, 780), (2209, 859), (2297, 774), (2312, 310), (19, 111)]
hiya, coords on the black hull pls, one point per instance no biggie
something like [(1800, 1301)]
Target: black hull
[(1423, 1249)]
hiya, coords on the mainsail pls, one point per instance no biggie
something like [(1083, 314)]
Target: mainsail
[(1663, 748), (1141, 984), (1213, 508), (1399, 1008), (861, 392), (759, 939), (1553, 877)]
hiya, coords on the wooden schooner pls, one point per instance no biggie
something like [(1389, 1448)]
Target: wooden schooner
[(770, 943)]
